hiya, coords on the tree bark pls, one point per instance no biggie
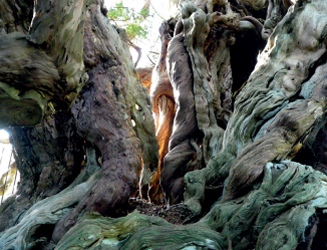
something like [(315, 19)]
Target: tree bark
[(49, 157), (94, 116), (242, 146), (262, 219)]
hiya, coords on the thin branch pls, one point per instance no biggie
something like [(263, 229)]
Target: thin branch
[(151, 60), (138, 50)]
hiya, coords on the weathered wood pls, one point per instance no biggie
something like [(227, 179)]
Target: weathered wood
[(244, 147), (163, 107), (34, 227), (21, 100), (51, 58), (276, 98), (199, 71), (109, 126), (275, 12), (274, 216), (58, 27), (15, 16), (137, 231), (49, 156), (50, 61)]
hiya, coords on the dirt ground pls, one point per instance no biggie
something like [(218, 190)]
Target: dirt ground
[(175, 214)]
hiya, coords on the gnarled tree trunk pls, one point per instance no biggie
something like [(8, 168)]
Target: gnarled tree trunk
[(239, 101)]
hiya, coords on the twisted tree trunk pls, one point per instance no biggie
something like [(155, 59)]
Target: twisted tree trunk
[(239, 100), (68, 44)]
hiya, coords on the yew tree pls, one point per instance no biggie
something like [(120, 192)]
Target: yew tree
[(227, 131)]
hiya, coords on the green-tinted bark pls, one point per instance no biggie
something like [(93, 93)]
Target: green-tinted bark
[(260, 198)]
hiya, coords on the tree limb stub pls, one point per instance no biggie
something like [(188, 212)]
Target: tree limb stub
[(66, 46), (46, 63), (26, 97)]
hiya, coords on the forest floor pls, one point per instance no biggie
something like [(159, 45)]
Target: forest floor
[(175, 214)]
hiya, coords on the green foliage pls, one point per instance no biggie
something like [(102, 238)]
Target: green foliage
[(134, 29), (134, 22)]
